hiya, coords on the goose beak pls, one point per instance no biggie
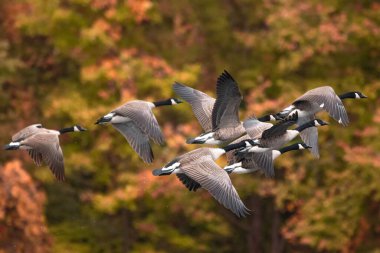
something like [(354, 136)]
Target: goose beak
[(194, 141), (102, 120)]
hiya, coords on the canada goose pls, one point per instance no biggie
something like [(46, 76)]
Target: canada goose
[(137, 123), (43, 145), (254, 128), (314, 101), (250, 163), (221, 124), (197, 169), (278, 135)]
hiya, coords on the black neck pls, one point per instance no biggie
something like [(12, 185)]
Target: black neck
[(289, 148), (347, 95), (235, 146), (66, 130), (306, 125), (163, 102)]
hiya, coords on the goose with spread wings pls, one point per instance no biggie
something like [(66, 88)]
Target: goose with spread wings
[(279, 134), (313, 101), (43, 146), (197, 169), (218, 117), (137, 123), (251, 163)]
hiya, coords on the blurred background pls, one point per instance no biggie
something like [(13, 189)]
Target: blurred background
[(64, 62)]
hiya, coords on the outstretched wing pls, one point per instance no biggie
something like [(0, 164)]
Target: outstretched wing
[(217, 182), (201, 104), (226, 108), (325, 98), (188, 182), (47, 146), (37, 157), (141, 114), (138, 140)]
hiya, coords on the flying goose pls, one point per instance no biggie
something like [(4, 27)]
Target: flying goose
[(219, 118), (278, 135), (197, 169), (251, 164), (137, 123), (254, 128), (314, 101), (43, 145)]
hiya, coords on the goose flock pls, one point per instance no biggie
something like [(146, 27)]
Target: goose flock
[(250, 145)]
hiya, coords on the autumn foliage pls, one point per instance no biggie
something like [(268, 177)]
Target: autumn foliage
[(22, 221), (70, 61)]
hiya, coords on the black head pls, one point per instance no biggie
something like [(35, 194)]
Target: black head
[(359, 95), (78, 128), (302, 145), (352, 95), (319, 122), (170, 101), (175, 101)]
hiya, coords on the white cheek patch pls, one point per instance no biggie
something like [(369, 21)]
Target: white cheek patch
[(109, 115), (322, 105), (171, 167), (247, 144), (173, 101)]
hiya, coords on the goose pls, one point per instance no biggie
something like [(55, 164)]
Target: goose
[(314, 101), (197, 169), (278, 135), (219, 118), (137, 123), (43, 145), (254, 128), (251, 164)]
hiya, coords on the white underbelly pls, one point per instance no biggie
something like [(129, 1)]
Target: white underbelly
[(291, 134)]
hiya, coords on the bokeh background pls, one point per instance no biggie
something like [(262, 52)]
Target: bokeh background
[(64, 62)]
